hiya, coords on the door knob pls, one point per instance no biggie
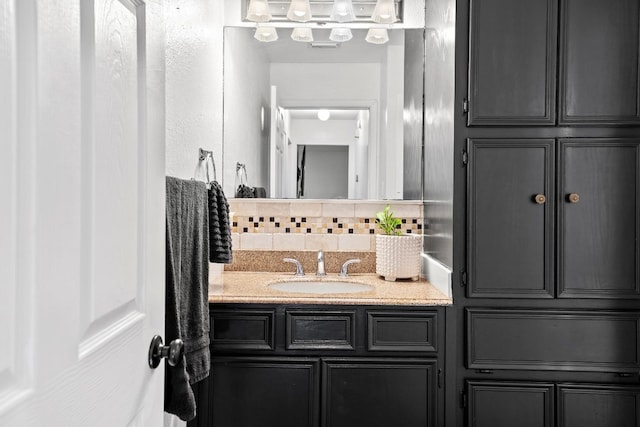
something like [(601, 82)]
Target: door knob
[(172, 352), (573, 198), (540, 199)]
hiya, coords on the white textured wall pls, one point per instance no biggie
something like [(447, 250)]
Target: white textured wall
[(193, 83)]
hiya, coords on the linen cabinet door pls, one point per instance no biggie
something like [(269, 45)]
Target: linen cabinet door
[(512, 62), (599, 219), (509, 404), (599, 66), (510, 202)]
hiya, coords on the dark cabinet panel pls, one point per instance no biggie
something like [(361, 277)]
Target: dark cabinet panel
[(250, 392), (329, 330), (599, 76), (378, 392), (553, 340), (599, 219), (510, 218), (242, 329), (402, 331), (512, 62), (598, 406), (509, 404)]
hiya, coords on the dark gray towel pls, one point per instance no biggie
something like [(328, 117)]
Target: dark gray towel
[(187, 289), (219, 226)]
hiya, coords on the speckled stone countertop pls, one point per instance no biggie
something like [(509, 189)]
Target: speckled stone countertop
[(251, 288)]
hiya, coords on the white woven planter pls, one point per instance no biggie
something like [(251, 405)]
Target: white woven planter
[(398, 257)]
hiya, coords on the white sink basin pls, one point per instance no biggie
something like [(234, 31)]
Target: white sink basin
[(320, 287)]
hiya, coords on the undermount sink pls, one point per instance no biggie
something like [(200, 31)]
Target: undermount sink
[(320, 287)]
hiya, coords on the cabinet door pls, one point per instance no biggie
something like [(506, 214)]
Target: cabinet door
[(509, 404), (599, 75), (510, 218), (378, 392), (599, 214), (250, 392), (598, 406), (512, 62)]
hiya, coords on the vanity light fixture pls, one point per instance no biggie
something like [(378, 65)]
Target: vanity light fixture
[(342, 11), (384, 12), (340, 34), (377, 36), (258, 11), (265, 33), (324, 115), (302, 34), (299, 11)]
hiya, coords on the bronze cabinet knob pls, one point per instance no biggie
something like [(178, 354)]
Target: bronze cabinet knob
[(573, 198), (540, 199)]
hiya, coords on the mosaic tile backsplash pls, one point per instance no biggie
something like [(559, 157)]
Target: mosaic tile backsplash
[(263, 224), (265, 230)]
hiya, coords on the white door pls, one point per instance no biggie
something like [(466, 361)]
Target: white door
[(81, 211)]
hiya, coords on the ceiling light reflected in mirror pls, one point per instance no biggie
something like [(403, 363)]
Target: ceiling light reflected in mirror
[(265, 33), (340, 34), (377, 36), (302, 34)]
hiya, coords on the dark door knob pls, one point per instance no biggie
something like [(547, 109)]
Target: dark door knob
[(172, 352)]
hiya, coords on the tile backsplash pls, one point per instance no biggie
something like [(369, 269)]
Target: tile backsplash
[(310, 225)]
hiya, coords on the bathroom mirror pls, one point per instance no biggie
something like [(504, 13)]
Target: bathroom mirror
[(292, 105)]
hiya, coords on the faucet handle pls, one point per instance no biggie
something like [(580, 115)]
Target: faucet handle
[(343, 270), (299, 270)]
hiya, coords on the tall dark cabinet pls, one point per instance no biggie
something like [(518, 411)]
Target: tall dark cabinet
[(546, 312)]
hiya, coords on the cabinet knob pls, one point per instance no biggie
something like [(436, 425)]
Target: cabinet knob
[(540, 199), (573, 198)]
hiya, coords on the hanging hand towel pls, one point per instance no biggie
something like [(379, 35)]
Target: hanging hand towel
[(187, 289), (219, 226)]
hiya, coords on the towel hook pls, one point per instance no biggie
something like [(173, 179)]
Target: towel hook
[(207, 157)]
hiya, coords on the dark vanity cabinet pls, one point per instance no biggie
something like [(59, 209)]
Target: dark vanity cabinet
[(275, 365)]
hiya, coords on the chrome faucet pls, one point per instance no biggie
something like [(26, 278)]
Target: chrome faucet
[(343, 270), (299, 270), (320, 271)]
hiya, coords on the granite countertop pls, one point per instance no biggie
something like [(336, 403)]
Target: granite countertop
[(251, 288)]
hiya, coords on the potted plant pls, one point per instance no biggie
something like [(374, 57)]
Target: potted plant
[(397, 254)]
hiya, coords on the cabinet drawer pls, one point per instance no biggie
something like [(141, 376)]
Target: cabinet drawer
[(242, 329), (553, 340), (329, 330), (402, 331)]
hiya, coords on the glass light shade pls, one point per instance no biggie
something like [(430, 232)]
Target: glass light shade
[(258, 11), (384, 12), (340, 35), (299, 11), (377, 36), (302, 34), (342, 11), (266, 34)]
